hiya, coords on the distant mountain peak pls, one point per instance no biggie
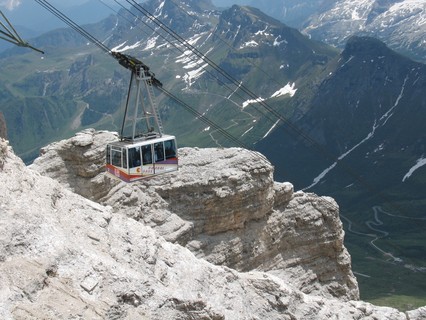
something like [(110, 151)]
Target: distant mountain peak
[(249, 27), (364, 45), (179, 16), (247, 15), (399, 23)]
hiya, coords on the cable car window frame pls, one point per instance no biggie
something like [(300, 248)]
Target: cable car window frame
[(116, 156), (170, 149), (159, 151), (147, 156), (124, 158), (134, 157)]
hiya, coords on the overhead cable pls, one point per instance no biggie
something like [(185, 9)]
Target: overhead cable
[(9, 34), (183, 52)]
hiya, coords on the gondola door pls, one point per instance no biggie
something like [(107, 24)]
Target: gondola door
[(158, 148), (135, 163), (148, 167)]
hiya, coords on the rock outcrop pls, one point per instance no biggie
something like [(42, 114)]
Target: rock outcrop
[(63, 256), (224, 206)]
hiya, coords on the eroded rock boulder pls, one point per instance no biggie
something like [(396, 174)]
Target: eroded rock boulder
[(75, 162)]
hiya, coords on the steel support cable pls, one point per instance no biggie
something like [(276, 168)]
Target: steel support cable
[(228, 45), (11, 35), (299, 132), (83, 32), (192, 110), (203, 118), (330, 205), (182, 52), (10, 32), (229, 77)]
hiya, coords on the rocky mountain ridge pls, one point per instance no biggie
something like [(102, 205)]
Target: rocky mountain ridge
[(64, 256), (368, 147), (398, 23), (74, 86)]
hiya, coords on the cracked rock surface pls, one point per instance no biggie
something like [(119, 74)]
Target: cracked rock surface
[(64, 256)]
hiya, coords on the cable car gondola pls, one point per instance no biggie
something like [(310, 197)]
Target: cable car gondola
[(131, 161), (149, 153)]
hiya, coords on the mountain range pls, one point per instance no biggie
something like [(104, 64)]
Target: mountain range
[(346, 123), (398, 23)]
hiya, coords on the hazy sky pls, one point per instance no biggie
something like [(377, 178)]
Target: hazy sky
[(10, 4), (33, 19)]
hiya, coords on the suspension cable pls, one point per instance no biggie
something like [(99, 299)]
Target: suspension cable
[(234, 81), (183, 52), (9, 34), (299, 132), (87, 35), (90, 37), (103, 47), (203, 118), (258, 67)]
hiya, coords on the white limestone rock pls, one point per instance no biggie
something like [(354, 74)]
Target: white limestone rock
[(63, 256), (224, 205)]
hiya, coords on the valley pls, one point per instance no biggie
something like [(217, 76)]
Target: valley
[(395, 271)]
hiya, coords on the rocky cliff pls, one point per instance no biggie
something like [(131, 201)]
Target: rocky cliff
[(224, 206), (63, 256)]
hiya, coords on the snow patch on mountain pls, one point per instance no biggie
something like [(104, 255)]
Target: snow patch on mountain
[(191, 76), (401, 25), (271, 129), (151, 43), (249, 44), (289, 89), (278, 42), (419, 163), (122, 47), (194, 64), (263, 32), (159, 11), (250, 101)]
